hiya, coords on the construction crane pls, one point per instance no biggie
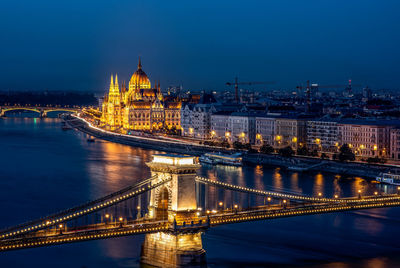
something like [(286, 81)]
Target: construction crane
[(314, 87), (236, 85), (348, 87)]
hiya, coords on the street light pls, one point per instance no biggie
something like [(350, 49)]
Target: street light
[(319, 194)]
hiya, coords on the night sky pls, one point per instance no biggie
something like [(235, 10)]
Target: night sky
[(76, 45)]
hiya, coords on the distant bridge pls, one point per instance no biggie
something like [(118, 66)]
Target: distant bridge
[(174, 201), (42, 111)]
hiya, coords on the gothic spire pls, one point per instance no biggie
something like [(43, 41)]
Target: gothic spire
[(116, 83)]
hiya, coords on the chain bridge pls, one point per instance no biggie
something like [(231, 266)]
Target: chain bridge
[(173, 208), (42, 111)]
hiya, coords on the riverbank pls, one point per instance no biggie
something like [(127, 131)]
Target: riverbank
[(295, 163)]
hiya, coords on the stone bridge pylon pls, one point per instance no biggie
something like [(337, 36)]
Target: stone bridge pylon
[(175, 201)]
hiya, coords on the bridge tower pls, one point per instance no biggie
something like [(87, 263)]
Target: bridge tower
[(174, 201)]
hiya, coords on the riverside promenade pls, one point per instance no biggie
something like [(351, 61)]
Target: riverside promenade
[(186, 147)]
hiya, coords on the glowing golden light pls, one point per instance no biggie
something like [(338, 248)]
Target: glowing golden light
[(375, 147), (317, 141), (294, 139)]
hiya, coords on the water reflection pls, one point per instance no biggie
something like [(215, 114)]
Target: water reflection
[(170, 250), (77, 171)]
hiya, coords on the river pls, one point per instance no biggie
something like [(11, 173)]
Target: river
[(44, 169)]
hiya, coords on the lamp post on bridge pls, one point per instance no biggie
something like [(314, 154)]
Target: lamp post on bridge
[(284, 202)]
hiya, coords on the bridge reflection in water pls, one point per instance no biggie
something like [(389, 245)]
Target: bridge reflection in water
[(173, 208)]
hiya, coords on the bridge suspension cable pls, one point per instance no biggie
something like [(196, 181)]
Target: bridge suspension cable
[(292, 196), (81, 210)]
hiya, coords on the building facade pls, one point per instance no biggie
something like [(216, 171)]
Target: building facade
[(219, 123), (139, 107), (265, 130), (395, 144), (365, 138), (289, 132), (196, 120), (323, 135)]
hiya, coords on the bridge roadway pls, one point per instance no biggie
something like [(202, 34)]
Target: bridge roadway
[(202, 222)]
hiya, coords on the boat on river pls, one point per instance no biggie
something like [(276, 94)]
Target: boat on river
[(388, 178), (221, 159)]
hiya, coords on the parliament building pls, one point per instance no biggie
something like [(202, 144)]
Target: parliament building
[(140, 107)]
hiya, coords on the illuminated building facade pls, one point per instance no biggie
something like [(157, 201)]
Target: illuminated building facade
[(139, 107)]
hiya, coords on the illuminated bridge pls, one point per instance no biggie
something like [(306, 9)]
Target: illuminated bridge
[(42, 111), (174, 202)]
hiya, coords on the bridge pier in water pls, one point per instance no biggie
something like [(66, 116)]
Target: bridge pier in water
[(176, 202), (173, 250)]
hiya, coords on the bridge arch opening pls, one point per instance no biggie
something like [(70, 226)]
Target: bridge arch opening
[(162, 204)]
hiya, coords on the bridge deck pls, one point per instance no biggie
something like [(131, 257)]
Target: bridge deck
[(229, 216)]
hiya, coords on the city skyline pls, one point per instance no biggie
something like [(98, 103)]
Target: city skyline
[(59, 46)]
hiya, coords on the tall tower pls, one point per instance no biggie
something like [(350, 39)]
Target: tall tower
[(175, 200), (114, 94)]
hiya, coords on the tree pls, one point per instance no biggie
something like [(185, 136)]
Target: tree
[(324, 156), (266, 149), (237, 145), (303, 150), (247, 146), (314, 152), (376, 159), (252, 151), (225, 144), (287, 151), (346, 154)]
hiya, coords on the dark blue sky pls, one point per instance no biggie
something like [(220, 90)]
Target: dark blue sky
[(77, 44)]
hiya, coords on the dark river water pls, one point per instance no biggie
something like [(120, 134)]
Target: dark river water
[(44, 169)]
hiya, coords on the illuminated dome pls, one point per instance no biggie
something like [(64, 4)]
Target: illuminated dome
[(139, 78)]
